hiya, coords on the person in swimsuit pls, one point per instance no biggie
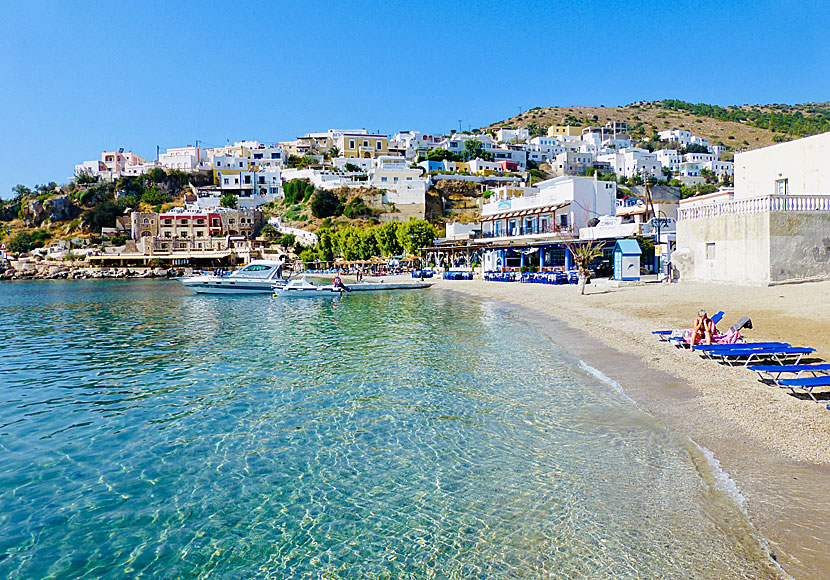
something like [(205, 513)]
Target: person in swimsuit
[(703, 330)]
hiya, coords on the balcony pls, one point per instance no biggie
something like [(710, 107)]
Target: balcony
[(769, 203), (519, 232)]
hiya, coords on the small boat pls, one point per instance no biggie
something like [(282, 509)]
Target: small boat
[(258, 277), (302, 287)]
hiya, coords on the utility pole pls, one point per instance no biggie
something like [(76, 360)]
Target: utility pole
[(459, 126)]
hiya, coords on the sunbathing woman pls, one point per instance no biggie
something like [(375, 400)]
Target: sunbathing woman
[(704, 329)]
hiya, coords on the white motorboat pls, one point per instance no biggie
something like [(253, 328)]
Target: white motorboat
[(302, 287), (258, 277)]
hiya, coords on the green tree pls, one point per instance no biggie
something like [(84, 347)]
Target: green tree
[(349, 240), (157, 175), (415, 235), (154, 196), (441, 155), (102, 215), (368, 244), (21, 191), (386, 235), (228, 200), (474, 149), (326, 244), (352, 168), (325, 204), (708, 175), (334, 152), (85, 176), (28, 241)]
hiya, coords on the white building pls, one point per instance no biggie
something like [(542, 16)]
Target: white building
[(185, 158), (773, 228), (669, 158), (633, 161), (505, 135)]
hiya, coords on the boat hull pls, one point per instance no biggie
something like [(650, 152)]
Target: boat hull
[(217, 285)]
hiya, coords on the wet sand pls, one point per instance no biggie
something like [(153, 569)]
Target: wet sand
[(774, 445)]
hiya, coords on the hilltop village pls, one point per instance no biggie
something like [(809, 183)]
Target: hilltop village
[(503, 199)]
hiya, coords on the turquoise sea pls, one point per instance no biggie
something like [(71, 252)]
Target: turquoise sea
[(149, 433)]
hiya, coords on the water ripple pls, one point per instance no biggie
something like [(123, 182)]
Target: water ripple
[(148, 433)]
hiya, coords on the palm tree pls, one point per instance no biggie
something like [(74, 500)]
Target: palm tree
[(583, 255), (334, 152)]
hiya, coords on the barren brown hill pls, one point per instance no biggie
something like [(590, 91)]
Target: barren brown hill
[(646, 118)]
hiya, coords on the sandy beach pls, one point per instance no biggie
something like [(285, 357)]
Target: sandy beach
[(772, 443)]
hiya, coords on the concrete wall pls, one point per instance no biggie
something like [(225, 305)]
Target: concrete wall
[(741, 251), (800, 246), (805, 163)]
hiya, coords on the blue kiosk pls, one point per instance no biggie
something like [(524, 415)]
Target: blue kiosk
[(627, 254)]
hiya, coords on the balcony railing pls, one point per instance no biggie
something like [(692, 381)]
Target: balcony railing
[(563, 231), (794, 203)]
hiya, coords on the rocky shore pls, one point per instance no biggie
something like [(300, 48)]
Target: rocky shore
[(46, 271)]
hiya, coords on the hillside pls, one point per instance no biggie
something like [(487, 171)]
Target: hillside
[(739, 128)]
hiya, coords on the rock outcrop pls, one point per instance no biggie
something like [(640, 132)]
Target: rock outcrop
[(58, 208)]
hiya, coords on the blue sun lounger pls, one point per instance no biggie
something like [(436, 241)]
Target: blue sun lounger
[(778, 354), (806, 383), (714, 348), (665, 334), (775, 371)]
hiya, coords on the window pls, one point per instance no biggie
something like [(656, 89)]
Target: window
[(216, 223), (563, 220), (383, 179), (199, 234), (710, 251), (200, 221), (351, 144), (378, 144), (168, 222), (247, 179), (167, 235), (146, 221), (782, 186), (184, 222)]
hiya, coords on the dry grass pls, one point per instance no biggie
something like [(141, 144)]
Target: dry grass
[(645, 119)]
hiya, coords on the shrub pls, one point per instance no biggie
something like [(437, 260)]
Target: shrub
[(228, 200), (325, 204), (28, 241), (154, 196)]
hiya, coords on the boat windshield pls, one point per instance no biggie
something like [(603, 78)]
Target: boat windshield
[(256, 271)]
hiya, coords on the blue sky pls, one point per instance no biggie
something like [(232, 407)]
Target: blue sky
[(81, 77)]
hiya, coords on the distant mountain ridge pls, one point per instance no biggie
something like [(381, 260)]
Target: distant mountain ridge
[(738, 127)]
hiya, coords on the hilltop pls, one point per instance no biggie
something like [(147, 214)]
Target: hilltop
[(740, 128)]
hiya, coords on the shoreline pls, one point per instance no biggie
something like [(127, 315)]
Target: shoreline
[(771, 444)]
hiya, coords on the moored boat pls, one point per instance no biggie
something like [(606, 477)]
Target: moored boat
[(303, 288), (258, 277)]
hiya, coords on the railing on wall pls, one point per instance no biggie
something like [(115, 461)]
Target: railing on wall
[(756, 205)]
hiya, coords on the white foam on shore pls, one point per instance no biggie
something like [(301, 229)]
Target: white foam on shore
[(726, 485), (596, 373), (722, 481)]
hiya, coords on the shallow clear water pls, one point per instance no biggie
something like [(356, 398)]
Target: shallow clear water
[(149, 433)]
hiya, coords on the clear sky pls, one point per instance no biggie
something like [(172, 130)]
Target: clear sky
[(77, 78)]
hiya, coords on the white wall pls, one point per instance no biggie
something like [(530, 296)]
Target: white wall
[(805, 163)]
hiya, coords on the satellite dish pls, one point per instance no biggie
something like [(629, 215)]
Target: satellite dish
[(593, 222)]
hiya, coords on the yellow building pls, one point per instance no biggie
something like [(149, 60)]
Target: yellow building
[(565, 130), (356, 145)]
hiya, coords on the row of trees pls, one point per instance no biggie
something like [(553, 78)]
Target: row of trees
[(356, 243), (780, 119), (473, 149)]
